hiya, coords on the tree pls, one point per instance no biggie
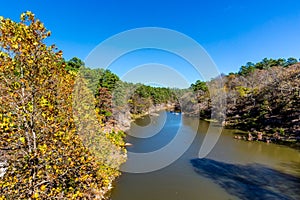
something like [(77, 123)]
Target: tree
[(290, 61), (267, 63), (199, 85), (104, 104), (92, 76), (108, 80), (245, 70), (281, 62), (106, 84), (74, 64), (45, 156)]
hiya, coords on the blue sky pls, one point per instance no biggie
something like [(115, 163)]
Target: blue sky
[(232, 32)]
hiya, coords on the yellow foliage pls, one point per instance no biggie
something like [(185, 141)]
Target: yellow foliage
[(22, 139), (37, 115), (43, 187), (35, 195)]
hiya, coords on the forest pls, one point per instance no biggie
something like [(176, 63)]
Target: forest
[(56, 145), (261, 98)]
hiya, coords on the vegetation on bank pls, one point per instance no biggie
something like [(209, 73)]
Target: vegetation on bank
[(112, 93), (262, 98), (46, 153)]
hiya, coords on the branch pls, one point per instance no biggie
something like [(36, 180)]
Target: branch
[(10, 148), (41, 183)]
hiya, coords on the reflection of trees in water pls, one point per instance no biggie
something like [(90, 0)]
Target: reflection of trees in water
[(252, 181), (143, 121)]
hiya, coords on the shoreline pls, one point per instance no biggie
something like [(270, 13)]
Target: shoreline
[(154, 109), (287, 139), (257, 136)]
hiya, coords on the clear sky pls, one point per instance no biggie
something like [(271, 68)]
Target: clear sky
[(233, 32)]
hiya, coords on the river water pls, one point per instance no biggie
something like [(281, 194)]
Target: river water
[(234, 169)]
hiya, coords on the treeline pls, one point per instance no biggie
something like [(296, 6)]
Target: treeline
[(110, 92), (261, 97), (144, 97), (266, 64)]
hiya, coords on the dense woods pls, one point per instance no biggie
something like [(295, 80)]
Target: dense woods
[(111, 92), (262, 97)]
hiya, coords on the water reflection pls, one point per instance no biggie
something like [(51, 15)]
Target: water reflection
[(252, 181), (219, 180), (152, 133)]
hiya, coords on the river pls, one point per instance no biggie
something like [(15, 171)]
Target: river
[(234, 169)]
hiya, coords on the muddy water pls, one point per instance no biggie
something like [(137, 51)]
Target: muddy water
[(234, 169)]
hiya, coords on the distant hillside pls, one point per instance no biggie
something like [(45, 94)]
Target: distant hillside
[(264, 98)]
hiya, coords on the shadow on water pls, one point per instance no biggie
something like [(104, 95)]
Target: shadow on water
[(253, 181)]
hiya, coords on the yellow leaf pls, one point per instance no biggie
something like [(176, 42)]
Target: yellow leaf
[(43, 187), (22, 139), (23, 16), (15, 46), (35, 195)]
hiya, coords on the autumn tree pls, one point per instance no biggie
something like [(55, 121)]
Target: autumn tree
[(104, 104), (45, 156)]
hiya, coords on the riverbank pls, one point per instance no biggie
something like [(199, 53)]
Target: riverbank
[(123, 117), (254, 103), (276, 138), (279, 137), (153, 109)]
